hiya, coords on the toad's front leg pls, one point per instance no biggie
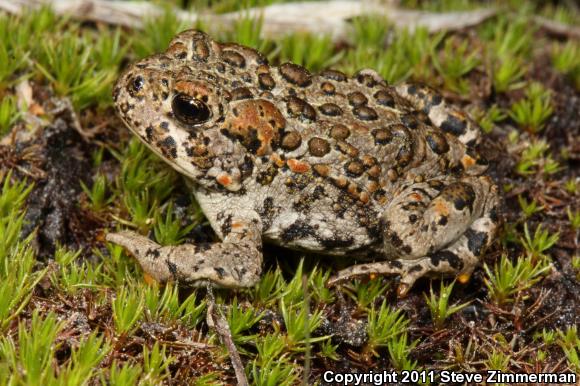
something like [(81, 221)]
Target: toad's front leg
[(235, 262)]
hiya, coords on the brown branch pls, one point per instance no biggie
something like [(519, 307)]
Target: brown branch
[(216, 320), (320, 17), (557, 28)]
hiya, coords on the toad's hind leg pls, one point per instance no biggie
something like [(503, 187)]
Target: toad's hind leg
[(444, 116), (434, 231), (235, 262)]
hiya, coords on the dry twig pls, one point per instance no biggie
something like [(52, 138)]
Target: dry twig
[(320, 17), (216, 320)]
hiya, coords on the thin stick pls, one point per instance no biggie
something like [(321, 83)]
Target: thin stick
[(216, 320)]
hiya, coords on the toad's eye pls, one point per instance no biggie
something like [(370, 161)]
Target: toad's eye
[(190, 111)]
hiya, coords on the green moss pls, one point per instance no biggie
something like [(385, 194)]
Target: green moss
[(385, 325), (507, 279), (439, 305), (531, 112)]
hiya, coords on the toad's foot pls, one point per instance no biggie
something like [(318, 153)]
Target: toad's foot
[(408, 270), (236, 262)]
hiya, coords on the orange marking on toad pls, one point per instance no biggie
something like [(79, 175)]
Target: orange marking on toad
[(298, 166), (256, 120), (463, 278), (441, 207), (276, 159), (224, 180), (415, 196), (467, 161), (192, 88)]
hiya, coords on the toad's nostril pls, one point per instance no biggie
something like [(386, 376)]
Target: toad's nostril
[(137, 83)]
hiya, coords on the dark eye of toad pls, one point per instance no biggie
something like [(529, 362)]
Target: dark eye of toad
[(190, 111)]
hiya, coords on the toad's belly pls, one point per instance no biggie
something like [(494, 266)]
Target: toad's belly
[(315, 233)]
